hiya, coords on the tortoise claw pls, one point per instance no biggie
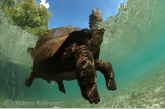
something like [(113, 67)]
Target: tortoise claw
[(111, 85), (91, 94), (62, 90), (61, 86), (29, 80)]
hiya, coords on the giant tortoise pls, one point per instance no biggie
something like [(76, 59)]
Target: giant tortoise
[(68, 53)]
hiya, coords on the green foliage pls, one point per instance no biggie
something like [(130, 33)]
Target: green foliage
[(27, 14)]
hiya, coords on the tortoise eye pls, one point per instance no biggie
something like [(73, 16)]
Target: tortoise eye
[(94, 10)]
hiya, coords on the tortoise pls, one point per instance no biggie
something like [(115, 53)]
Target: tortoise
[(68, 53)]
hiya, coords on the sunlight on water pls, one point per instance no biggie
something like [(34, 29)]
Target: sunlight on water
[(134, 43)]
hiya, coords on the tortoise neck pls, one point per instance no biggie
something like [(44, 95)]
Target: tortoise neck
[(96, 40)]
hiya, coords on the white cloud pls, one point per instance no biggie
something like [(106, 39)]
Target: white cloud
[(43, 2)]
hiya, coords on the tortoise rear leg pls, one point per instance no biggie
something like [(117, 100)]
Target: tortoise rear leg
[(86, 74), (61, 86), (30, 78), (106, 69)]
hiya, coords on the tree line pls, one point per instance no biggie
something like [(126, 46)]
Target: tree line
[(29, 15)]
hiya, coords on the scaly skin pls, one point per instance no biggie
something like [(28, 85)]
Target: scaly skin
[(86, 74)]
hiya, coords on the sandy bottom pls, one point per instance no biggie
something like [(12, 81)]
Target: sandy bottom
[(144, 92)]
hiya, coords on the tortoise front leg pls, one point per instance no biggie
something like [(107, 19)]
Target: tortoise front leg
[(106, 69), (86, 74), (30, 78)]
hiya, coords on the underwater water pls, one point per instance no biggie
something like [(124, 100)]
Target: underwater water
[(134, 44)]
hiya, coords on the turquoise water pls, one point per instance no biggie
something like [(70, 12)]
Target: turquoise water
[(134, 43)]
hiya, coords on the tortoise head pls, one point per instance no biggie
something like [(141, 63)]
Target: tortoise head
[(95, 18)]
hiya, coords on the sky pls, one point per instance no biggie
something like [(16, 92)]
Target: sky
[(76, 12)]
